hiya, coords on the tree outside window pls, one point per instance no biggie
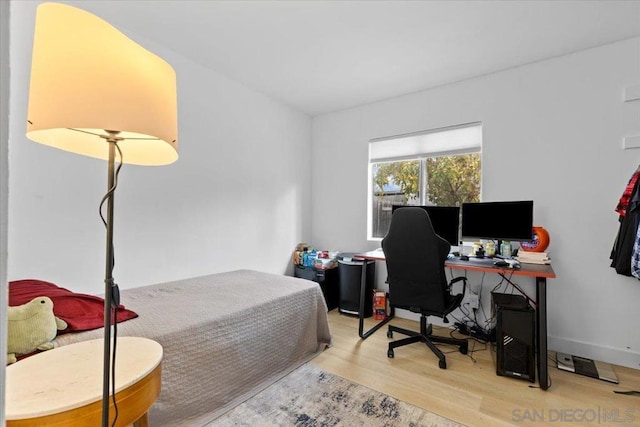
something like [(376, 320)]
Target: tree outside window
[(447, 180)]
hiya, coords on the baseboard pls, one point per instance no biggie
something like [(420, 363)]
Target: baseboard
[(406, 314), (616, 356)]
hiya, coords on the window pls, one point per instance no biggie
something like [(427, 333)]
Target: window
[(440, 167)]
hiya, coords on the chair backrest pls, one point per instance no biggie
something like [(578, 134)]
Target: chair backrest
[(415, 257)]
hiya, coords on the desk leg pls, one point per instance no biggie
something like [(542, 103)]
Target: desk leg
[(363, 291), (541, 332)]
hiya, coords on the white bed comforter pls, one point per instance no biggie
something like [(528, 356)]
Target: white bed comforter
[(225, 337)]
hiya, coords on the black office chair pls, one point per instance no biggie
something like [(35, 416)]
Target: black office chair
[(415, 257)]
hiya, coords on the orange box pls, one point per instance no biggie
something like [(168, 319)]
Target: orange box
[(379, 305)]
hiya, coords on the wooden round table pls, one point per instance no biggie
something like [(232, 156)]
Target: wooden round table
[(63, 386)]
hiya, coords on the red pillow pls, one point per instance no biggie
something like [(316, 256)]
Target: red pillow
[(82, 312)]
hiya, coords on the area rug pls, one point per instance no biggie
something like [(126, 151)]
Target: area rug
[(310, 397)]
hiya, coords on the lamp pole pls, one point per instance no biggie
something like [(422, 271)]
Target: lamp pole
[(110, 287)]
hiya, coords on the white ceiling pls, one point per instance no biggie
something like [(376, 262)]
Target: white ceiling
[(324, 56)]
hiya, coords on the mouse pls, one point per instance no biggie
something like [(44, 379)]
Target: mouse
[(464, 258)]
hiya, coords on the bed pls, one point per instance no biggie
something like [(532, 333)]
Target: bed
[(225, 337)]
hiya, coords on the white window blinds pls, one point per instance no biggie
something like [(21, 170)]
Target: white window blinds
[(444, 141)]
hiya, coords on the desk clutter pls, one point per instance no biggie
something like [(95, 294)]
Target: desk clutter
[(305, 255), (533, 257), (339, 276), (528, 252)]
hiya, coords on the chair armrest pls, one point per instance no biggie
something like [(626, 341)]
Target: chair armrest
[(459, 279)]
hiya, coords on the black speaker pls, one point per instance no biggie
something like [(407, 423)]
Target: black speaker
[(515, 336)]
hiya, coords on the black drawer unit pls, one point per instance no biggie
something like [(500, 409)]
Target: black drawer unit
[(327, 279)]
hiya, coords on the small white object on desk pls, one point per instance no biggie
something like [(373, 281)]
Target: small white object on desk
[(63, 386)]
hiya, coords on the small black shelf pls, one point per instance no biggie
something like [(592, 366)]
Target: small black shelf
[(326, 278)]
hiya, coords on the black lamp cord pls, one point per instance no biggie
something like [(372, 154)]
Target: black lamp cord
[(115, 292)]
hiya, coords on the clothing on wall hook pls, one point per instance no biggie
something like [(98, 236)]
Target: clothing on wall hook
[(625, 255)]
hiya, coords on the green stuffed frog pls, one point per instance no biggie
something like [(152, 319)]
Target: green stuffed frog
[(32, 326)]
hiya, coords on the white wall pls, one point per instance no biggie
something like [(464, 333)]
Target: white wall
[(552, 132), (236, 198), (4, 187)]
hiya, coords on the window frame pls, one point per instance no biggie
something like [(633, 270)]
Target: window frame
[(422, 158)]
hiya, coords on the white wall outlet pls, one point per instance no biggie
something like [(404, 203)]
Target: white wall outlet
[(472, 301)]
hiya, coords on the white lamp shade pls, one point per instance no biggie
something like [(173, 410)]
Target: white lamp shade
[(87, 77)]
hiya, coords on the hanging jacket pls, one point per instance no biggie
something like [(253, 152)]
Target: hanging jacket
[(621, 208), (623, 247), (635, 257)]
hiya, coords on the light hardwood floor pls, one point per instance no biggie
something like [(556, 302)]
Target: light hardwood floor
[(469, 391)]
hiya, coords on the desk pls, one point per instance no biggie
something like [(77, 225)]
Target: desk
[(485, 265), (63, 386)]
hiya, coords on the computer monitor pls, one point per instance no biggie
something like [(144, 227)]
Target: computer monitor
[(444, 219), (511, 220)]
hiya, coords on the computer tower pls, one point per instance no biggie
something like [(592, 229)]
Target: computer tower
[(515, 336)]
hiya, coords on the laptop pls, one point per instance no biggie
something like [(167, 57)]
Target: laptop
[(588, 367)]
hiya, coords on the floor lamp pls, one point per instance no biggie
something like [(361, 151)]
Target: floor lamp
[(95, 92)]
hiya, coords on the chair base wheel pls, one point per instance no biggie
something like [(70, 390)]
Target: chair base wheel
[(389, 334), (464, 349), (442, 364), (390, 354)]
